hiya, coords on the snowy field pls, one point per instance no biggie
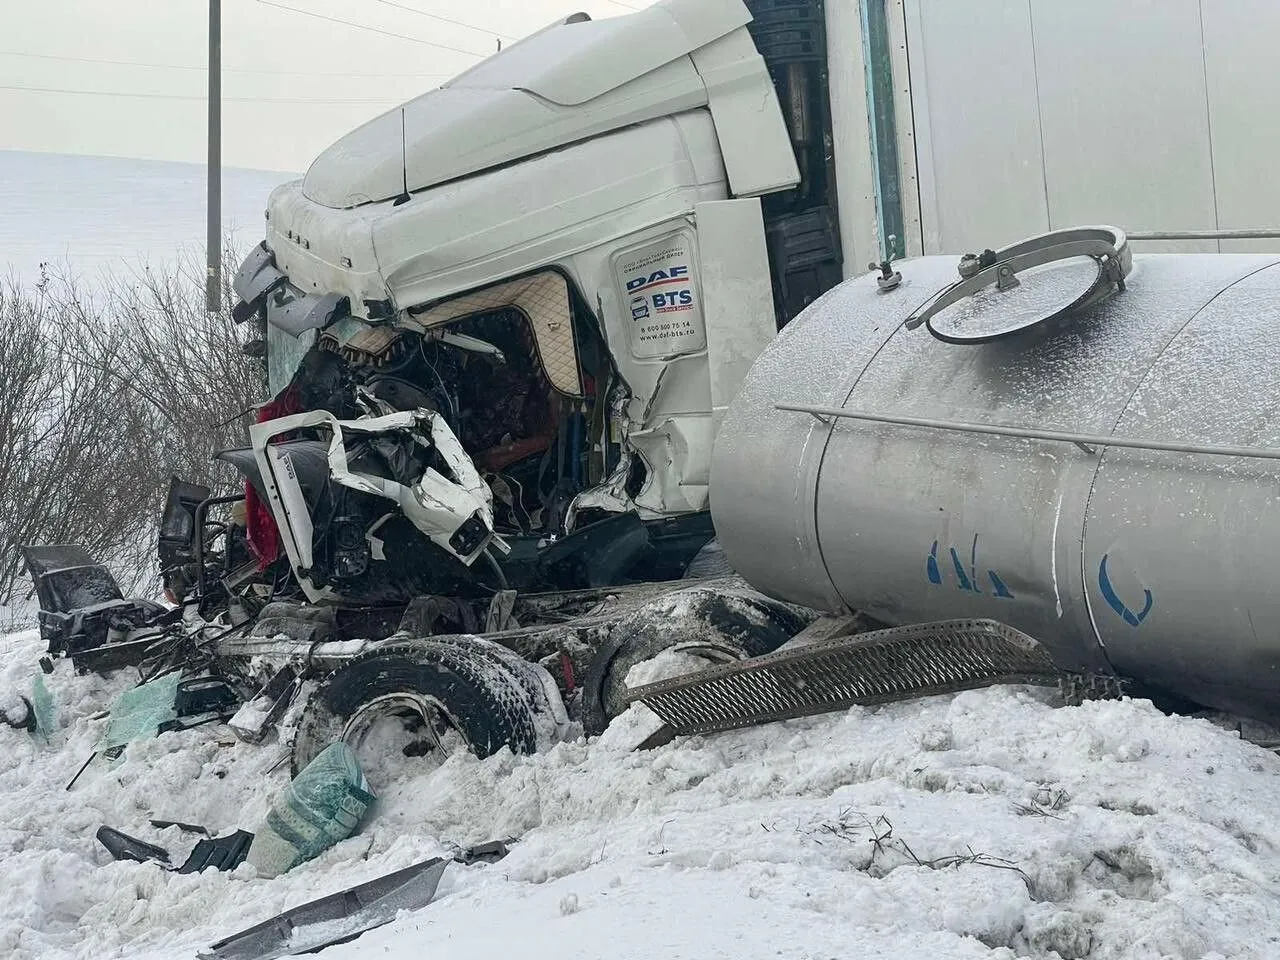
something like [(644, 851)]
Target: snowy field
[(92, 214), (992, 824)]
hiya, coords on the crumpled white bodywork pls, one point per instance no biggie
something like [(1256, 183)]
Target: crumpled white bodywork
[(435, 504)]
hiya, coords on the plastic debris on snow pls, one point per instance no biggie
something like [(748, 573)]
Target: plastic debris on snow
[(335, 918), (989, 824)]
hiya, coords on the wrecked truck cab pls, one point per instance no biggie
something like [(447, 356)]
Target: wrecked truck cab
[(561, 255), (510, 314), (515, 385)]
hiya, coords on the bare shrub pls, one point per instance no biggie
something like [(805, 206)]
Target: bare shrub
[(104, 397), (186, 366)]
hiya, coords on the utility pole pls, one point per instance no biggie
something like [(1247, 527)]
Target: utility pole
[(213, 238)]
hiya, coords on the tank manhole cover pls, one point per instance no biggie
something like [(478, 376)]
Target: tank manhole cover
[(1040, 293)]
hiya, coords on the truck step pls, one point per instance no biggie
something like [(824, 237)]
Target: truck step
[(883, 666)]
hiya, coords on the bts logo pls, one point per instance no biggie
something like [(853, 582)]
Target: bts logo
[(680, 298), (639, 308)]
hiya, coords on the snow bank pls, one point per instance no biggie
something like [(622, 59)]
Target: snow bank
[(990, 824)]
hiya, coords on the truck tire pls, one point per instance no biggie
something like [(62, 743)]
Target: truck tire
[(471, 692), (551, 719), (715, 621)]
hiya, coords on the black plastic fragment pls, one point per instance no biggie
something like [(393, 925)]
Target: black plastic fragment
[(223, 853), (67, 578), (204, 695), (121, 846), (490, 852)]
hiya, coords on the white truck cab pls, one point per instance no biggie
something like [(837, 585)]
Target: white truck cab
[(562, 252)]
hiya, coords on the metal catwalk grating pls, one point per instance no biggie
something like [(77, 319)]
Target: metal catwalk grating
[(880, 667)]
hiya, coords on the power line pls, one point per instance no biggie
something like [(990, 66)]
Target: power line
[(434, 16), (202, 69), (361, 26), (179, 96)]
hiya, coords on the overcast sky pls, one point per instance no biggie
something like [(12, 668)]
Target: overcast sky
[(126, 78)]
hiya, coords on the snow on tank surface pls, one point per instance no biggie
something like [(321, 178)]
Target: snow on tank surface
[(762, 454), (1102, 354), (1106, 831)]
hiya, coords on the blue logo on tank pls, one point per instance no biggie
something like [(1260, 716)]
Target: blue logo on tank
[(966, 580), (1115, 603)]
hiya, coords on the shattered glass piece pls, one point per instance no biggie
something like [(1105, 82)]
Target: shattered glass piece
[(139, 713), (42, 705)]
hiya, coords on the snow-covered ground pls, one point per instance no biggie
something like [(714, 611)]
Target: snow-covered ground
[(91, 214), (992, 824)]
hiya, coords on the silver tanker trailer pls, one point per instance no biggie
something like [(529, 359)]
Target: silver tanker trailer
[(1068, 439)]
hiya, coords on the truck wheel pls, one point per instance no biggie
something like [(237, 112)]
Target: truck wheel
[(719, 625), (540, 688), (440, 696)]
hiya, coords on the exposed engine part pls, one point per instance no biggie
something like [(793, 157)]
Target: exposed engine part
[(484, 373), (411, 459)]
